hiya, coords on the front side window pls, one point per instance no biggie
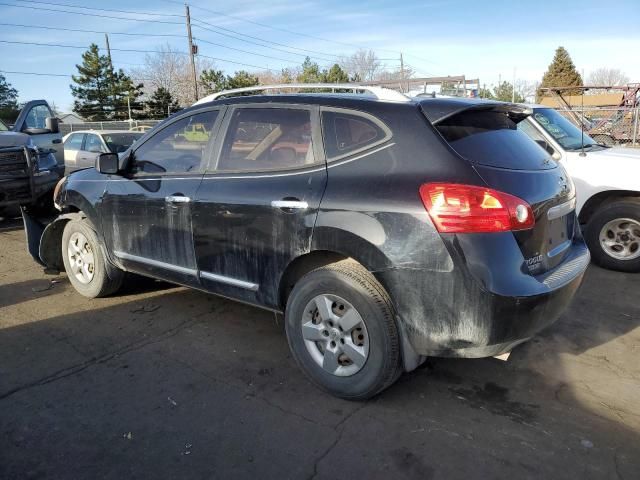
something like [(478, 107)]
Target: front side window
[(93, 144), (74, 142), (178, 148), (346, 133), (36, 117), (267, 139)]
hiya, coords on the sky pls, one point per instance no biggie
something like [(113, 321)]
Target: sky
[(485, 40)]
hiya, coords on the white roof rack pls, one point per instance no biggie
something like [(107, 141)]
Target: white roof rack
[(380, 93)]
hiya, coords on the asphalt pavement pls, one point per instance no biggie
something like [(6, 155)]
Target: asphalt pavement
[(163, 382)]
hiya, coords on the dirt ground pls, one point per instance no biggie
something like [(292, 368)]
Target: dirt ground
[(164, 382)]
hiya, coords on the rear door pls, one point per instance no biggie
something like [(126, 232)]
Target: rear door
[(509, 161), (256, 207), (93, 146)]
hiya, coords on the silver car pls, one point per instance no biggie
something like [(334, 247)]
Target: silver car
[(83, 147)]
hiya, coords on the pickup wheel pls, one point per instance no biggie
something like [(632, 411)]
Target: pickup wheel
[(613, 236), (85, 263), (341, 330)]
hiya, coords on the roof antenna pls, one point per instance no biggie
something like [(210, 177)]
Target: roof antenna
[(582, 154)]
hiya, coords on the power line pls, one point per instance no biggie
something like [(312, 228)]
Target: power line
[(240, 50), (329, 57), (103, 9), (90, 14), (60, 45), (93, 31), (36, 73), (254, 43), (280, 29)]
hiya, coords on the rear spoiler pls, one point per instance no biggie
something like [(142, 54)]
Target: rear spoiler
[(439, 111)]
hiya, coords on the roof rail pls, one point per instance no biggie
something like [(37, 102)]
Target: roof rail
[(380, 93)]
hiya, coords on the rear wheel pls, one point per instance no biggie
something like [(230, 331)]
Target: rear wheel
[(85, 263), (613, 236), (341, 330)]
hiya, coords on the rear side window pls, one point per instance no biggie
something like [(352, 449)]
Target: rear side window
[(492, 138), (267, 139), (347, 133)]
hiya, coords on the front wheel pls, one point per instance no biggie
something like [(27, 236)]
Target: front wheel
[(85, 263), (613, 236), (341, 330)]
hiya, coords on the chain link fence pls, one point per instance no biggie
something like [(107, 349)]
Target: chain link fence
[(609, 126), (134, 125)]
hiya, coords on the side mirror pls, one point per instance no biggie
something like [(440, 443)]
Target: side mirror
[(107, 163), (51, 124)]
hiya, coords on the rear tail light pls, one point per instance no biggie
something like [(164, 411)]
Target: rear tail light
[(456, 208)]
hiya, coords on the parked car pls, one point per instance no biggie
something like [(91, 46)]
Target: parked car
[(29, 152), (607, 182), (393, 230), (81, 148)]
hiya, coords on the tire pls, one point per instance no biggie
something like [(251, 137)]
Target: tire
[(340, 287), (618, 217), (80, 239)]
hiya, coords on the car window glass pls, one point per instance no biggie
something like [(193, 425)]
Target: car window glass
[(74, 142), (93, 144), (267, 138), (177, 148), (120, 142), (345, 133), (36, 117), (533, 133)]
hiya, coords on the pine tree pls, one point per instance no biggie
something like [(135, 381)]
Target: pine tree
[(561, 72), (161, 104), (242, 79), (125, 97), (213, 81), (9, 109), (102, 93), (93, 90), (335, 75)]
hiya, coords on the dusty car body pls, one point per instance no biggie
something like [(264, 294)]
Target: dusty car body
[(361, 238)]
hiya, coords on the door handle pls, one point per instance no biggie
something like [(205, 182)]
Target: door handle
[(176, 199), (290, 204), (56, 140)]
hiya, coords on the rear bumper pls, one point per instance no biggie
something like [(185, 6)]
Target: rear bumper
[(457, 314)]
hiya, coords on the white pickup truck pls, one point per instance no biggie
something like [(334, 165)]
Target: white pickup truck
[(607, 184)]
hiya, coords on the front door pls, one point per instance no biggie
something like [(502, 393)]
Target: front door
[(147, 221), (72, 149), (256, 209), (34, 123)]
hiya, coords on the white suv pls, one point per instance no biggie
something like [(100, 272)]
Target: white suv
[(607, 182)]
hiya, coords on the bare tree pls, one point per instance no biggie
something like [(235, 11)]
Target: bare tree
[(607, 76), (170, 69), (526, 90), (363, 65)]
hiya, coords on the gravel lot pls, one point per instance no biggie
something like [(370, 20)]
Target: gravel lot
[(164, 382)]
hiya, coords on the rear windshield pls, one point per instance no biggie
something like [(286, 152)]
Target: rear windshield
[(491, 138)]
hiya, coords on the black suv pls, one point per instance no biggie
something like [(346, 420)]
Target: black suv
[(386, 229)]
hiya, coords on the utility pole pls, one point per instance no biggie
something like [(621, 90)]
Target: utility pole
[(106, 38), (129, 107), (401, 71), (192, 50)]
